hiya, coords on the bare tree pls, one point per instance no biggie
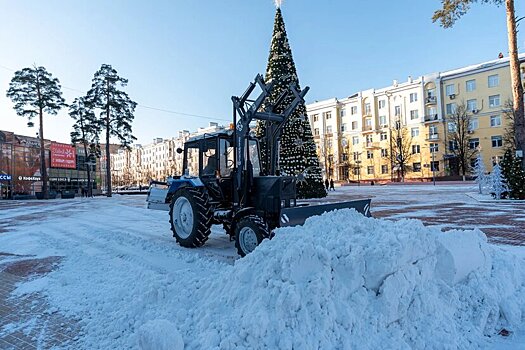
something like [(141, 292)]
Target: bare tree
[(400, 149), (459, 138), (509, 138), (326, 151), (451, 11)]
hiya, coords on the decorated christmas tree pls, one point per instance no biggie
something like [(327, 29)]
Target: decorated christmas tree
[(480, 172), (498, 184), (297, 152), (513, 172)]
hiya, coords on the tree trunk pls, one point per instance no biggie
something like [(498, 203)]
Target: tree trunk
[(43, 167), (88, 169), (517, 87), (108, 158)]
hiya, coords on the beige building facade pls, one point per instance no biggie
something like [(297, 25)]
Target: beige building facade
[(402, 132)]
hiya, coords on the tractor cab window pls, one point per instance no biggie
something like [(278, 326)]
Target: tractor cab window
[(192, 162), (225, 157), (253, 149), (209, 157)]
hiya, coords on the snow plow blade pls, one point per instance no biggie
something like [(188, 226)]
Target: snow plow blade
[(157, 196), (298, 215)]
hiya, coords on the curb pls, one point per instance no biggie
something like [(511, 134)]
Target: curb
[(501, 201)]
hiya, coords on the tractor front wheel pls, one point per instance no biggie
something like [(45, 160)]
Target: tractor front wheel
[(190, 216), (250, 231)]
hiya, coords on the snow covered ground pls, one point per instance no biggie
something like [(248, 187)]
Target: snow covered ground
[(341, 281)]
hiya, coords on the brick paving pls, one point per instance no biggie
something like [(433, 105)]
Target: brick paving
[(28, 322)]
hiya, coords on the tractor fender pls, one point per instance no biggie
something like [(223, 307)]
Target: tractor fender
[(176, 184), (240, 214)]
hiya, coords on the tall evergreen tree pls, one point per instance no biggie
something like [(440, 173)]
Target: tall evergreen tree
[(297, 152), (514, 174), (117, 110), (35, 91), (452, 10), (86, 131)]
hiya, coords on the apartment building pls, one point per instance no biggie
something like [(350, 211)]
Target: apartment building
[(400, 131), (154, 161)]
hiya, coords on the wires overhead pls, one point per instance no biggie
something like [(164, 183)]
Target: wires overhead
[(144, 106)]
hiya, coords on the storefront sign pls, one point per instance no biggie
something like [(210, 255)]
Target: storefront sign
[(29, 178), (61, 179), (62, 156), (5, 177)]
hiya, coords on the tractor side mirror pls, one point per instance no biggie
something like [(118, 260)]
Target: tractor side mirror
[(179, 150)]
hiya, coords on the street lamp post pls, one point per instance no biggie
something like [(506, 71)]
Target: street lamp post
[(433, 166), (358, 162)]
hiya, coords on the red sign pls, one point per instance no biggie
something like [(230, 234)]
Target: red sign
[(62, 156)]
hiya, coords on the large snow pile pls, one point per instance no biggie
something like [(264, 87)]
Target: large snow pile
[(345, 281)]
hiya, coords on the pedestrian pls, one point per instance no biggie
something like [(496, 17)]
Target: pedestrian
[(83, 190), (332, 185), (326, 184)]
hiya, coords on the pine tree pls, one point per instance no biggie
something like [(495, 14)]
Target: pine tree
[(513, 172), (35, 91), (116, 110), (498, 183), (480, 173), (86, 131), (297, 153)]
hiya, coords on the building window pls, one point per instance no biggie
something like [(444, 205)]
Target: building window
[(369, 139), (355, 140), (368, 110), (416, 149), (381, 104), (344, 127), (471, 85), (452, 145), (431, 95), (329, 129), (356, 156), (342, 113), (493, 80), (316, 117), (473, 143), (452, 127), (384, 152), (434, 147), (344, 157), (416, 167), (368, 123), (383, 136), (397, 111), (495, 121), (434, 166), (382, 120), (497, 141), (450, 90), (450, 108), (354, 125), (357, 171), (414, 114), (472, 105), (369, 154), (353, 110), (473, 124), (370, 169), (413, 97), (414, 132), (328, 115), (494, 101), (316, 131), (384, 169)]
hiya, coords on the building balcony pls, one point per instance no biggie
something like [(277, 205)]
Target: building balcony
[(432, 137), (371, 144), (431, 118), (430, 100), (368, 128)]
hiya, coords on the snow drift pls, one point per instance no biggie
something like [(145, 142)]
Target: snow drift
[(346, 281)]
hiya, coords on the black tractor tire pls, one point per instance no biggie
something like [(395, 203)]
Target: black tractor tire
[(250, 231), (192, 224)]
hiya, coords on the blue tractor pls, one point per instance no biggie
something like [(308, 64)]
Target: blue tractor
[(223, 181)]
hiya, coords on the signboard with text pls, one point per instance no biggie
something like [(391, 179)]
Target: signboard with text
[(62, 156)]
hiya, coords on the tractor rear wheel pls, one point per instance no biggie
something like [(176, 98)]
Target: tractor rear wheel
[(190, 216), (250, 231)]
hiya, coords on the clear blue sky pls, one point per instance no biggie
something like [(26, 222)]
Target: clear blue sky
[(191, 56)]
